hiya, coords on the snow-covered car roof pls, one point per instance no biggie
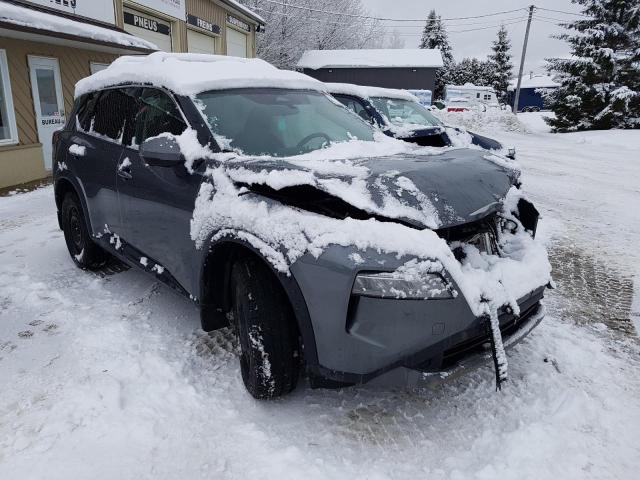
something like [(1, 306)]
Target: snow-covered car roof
[(368, 92), (24, 16), (189, 74), (372, 58)]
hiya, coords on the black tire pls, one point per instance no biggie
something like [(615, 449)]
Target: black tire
[(266, 329), (83, 250)]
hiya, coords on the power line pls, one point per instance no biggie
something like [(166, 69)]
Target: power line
[(390, 28), (562, 11), (522, 20), (369, 17)]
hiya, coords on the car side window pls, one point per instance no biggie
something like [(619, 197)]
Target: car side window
[(113, 115), (157, 114), (84, 113), (355, 106)]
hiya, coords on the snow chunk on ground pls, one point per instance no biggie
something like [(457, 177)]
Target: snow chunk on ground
[(492, 120)]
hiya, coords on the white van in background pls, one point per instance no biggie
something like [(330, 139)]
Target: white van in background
[(459, 98)]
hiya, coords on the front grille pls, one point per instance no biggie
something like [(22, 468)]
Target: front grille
[(511, 325), (482, 234)]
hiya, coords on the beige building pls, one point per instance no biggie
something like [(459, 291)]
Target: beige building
[(46, 46)]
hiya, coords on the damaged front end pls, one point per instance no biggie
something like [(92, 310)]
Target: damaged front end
[(413, 262)]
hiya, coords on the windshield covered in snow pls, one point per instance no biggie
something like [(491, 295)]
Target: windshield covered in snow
[(278, 122), (403, 112)]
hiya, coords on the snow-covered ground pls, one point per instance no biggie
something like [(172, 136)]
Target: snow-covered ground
[(108, 376)]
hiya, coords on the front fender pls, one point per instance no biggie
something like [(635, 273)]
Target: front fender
[(220, 252)]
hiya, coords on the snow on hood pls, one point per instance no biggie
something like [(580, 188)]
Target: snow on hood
[(418, 186), (436, 190), (284, 234), (189, 74)]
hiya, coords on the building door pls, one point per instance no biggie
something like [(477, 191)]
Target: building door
[(236, 43), (48, 102), (201, 43)]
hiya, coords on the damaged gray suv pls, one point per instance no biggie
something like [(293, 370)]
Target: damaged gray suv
[(333, 250)]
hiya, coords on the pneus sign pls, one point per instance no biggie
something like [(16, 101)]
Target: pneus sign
[(146, 23)]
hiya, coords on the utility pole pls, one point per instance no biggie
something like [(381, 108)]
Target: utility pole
[(524, 53)]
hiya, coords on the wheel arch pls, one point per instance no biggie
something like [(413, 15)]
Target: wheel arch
[(215, 292), (64, 185)]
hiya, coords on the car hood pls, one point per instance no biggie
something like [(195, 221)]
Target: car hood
[(425, 136), (425, 191)]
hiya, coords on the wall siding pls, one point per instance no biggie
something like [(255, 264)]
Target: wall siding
[(74, 65), (213, 13)]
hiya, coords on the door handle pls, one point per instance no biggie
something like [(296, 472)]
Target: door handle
[(125, 173)]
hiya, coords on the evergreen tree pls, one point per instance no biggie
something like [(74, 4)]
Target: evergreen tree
[(600, 83), (472, 70), (434, 35), (500, 64)]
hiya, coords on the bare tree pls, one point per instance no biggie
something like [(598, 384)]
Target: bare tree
[(318, 25)]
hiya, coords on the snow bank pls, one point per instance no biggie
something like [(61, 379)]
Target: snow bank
[(492, 120), (189, 74), (28, 17), (378, 58), (369, 92)]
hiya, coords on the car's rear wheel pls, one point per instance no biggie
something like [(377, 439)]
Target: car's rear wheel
[(266, 329), (83, 250)]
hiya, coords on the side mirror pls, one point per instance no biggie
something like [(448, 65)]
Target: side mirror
[(161, 152)]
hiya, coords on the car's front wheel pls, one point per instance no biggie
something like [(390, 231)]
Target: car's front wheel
[(83, 250), (266, 329)]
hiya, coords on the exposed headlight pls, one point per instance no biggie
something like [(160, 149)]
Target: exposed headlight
[(511, 153), (391, 285)]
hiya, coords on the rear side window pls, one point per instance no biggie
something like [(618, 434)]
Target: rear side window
[(158, 114), (85, 110), (114, 114), (110, 114)]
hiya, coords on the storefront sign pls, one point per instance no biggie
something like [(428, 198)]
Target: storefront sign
[(236, 22), (96, 10), (174, 8), (147, 23), (203, 24)]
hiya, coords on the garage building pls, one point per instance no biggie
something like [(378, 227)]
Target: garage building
[(46, 46), (389, 68)]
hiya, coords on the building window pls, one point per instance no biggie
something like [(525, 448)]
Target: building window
[(96, 67), (8, 131)]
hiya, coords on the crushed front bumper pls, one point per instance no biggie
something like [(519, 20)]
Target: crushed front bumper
[(360, 338)]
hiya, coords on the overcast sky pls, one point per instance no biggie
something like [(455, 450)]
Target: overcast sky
[(477, 43)]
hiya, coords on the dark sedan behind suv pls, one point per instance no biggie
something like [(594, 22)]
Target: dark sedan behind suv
[(278, 212), (401, 115)]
